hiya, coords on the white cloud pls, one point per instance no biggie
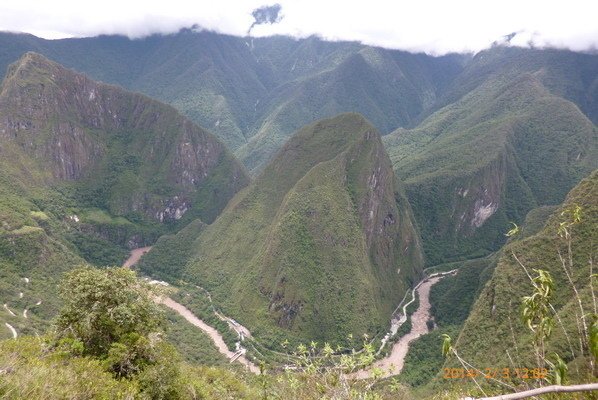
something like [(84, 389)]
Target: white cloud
[(436, 27)]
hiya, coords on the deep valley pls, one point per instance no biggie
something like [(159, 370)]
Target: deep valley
[(297, 218)]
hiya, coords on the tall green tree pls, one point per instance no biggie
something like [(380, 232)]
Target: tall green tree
[(111, 315)]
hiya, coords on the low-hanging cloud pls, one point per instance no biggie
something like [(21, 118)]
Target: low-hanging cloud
[(265, 15), (432, 26)]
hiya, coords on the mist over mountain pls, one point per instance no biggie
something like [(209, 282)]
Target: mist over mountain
[(426, 26), (254, 93)]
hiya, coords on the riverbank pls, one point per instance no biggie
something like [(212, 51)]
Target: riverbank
[(394, 362), (184, 312)]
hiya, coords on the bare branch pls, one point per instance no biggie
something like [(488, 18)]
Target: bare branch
[(522, 266), (583, 321), (543, 390)]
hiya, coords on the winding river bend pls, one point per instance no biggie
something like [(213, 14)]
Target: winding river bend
[(192, 319), (394, 362), (390, 365)]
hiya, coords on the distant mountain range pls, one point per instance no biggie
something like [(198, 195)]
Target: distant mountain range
[(254, 93)]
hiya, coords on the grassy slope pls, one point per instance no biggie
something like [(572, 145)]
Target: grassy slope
[(34, 371), (293, 250), (499, 301), (33, 246), (452, 298), (508, 143)]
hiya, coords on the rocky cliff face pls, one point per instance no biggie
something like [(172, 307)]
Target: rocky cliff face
[(478, 164), (130, 153), (477, 201)]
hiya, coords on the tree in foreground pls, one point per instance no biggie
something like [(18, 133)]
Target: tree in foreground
[(110, 315)]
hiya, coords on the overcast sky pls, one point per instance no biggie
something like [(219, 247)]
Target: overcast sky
[(433, 26)]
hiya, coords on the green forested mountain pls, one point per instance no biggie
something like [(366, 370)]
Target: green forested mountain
[(338, 222), (87, 171), (474, 132), (571, 75), (570, 233), (390, 88), (508, 145), (130, 154), (321, 238), (254, 93)]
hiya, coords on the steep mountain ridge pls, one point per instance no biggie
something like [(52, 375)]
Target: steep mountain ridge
[(87, 171), (157, 163), (254, 93), (504, 148), (323, 236), (498, 307)]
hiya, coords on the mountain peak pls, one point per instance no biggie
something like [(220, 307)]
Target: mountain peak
[(33, 58), (319, 141), (31, 66), (36, 58), (326, 216), (78, 128)]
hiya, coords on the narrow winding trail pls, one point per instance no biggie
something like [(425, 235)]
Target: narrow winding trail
[(191, 318), (394, 362), (9, 310), (12, 330)]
